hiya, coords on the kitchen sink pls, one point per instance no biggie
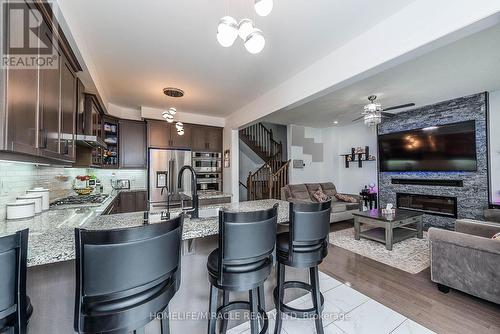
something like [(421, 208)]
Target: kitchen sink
[(208, 213)]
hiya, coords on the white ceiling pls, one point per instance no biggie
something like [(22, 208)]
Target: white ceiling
[(470, 65), (140, 47)]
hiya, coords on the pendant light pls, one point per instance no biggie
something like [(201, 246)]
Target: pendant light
[(245, 28), (227, 31), (255, 42), (263, 7)]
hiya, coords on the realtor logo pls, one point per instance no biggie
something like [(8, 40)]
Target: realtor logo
[(25, 43)]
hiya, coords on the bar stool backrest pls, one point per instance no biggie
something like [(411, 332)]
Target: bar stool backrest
[(246, 239), (13, 263), (309, 225), (125, 275)]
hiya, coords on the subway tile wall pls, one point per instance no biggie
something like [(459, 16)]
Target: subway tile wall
[(16, 178)]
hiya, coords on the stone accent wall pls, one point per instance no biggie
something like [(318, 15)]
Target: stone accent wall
[(473, 196)]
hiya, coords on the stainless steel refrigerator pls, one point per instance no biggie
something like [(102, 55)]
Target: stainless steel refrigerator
[(163, 168)]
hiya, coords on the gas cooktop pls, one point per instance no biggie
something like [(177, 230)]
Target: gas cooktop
[(81, 200)]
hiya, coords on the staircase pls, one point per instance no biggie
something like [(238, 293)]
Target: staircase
[(267, 181)]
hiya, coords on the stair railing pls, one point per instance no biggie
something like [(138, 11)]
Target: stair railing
[(263, 140), (266, 184)]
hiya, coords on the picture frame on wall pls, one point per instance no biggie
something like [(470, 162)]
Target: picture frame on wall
[(227, 159)]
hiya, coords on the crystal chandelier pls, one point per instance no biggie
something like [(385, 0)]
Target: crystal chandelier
[(372, 112)]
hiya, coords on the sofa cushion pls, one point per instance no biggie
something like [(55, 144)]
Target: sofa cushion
[(329, 189), (312, 188), (346, 198), (320, 196), (299, 192)]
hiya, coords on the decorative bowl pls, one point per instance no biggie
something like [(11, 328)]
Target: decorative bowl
[(83, 191)]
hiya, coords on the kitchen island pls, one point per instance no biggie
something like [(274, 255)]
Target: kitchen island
[(51, 253)]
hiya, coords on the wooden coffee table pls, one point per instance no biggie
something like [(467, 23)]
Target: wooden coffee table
[(388, 229)]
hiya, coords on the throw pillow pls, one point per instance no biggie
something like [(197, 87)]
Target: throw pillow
[(496, 237), (346, 198), (320, 195)]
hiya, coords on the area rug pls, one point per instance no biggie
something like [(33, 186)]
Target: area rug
[(410, 255)]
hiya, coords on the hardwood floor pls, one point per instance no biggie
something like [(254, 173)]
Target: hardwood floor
[(414, 296)]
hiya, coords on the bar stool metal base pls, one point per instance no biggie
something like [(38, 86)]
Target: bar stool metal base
[(294, 312), (256, 305), (242, 305)]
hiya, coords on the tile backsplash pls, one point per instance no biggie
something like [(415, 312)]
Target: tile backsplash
[(16, 178)]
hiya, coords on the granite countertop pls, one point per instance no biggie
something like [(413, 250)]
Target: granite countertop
[(51, 237), (213, 194)]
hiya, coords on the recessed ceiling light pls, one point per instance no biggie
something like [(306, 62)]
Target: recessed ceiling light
[(335, 122)]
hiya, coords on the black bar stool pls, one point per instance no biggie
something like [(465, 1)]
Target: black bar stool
[(304, 246), (125, 277), (15, 305), (242, 262)]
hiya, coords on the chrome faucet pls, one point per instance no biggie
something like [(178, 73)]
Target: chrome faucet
[(194, 191)]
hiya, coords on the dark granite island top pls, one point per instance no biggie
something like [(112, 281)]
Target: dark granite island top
[(51, 236)]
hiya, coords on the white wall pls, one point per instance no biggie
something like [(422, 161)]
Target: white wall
[(353, 179), (182, 116), (123, 112), (16, 178), (336, 141), (494, 141), (312, 171)]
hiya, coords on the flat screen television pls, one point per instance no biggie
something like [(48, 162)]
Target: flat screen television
[(450, 147)]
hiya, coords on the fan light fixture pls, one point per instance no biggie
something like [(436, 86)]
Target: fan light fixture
[(227, 31), (263, 7), (373, 119)]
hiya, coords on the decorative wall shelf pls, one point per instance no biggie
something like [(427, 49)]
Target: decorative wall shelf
[(357, 156)]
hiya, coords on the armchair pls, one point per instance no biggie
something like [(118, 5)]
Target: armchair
[(467, 259)]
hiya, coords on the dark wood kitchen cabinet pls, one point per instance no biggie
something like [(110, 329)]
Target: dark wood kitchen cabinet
[(40, 102), (196, 137), (158, 134), (162, 134), (128, 201), (49, 107), (21, 102), (68, 112), (206, 138), (178, 141), (21, 107), (132, 144)]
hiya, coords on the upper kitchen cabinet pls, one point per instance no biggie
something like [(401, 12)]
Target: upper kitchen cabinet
[(181, 141), (21, 103), (49, 103), (196, 137), (68, 114), (206, 138), (132, 144), (162, 134), (40, 102), (159, 134)]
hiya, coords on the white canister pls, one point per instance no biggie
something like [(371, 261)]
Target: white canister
[(21, 209), (44, 193), (38, 198)]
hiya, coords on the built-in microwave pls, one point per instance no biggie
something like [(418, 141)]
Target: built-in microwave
[(206, 162), (207, 155), (209, 182)]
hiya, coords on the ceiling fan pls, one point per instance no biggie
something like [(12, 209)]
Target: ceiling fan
[(373, 111)]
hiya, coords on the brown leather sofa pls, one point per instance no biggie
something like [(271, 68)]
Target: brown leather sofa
[(467, 259), (304, 193)]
